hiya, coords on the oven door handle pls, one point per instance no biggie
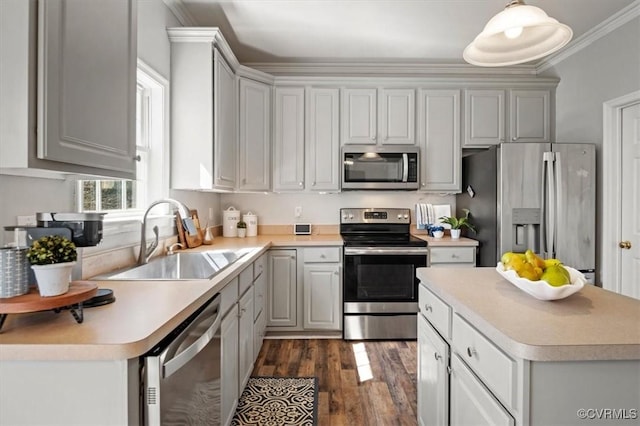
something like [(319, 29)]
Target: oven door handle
[(355, 251), (178, 360)]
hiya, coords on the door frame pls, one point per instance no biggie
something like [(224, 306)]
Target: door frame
[(612, 185)]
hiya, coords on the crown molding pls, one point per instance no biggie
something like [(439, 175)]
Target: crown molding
[(211, 35), (614, 22), (253, 74), (433, 81), (181, 12), (382, 69)]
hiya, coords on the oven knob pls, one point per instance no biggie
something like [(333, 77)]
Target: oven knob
[(406, 216), (399, 216), (351, 216), (344, 217)]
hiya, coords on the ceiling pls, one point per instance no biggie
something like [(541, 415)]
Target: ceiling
[(369, 31)]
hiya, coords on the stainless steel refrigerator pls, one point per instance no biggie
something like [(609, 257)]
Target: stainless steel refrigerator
[(533, 196)]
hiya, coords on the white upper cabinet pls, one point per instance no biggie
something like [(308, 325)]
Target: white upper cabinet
[(288, 160), (484, 112), (488, 121), (323, 140), (69, 75), (530, 115), (203, 111), (359, 116), (439, 140), (378, 116), (397, 117), (255, 136)]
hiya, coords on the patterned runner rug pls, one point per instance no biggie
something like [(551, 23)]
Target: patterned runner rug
[(278, 401)]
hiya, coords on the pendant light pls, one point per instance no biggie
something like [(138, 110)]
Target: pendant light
[(518, 34)]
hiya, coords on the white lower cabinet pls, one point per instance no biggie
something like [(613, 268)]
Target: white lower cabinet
[(471, 402), (282, 291), (433, 376), (245, 338), (229, 373), (322, 297)]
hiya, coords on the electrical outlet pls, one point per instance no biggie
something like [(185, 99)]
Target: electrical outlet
[(298, 211)]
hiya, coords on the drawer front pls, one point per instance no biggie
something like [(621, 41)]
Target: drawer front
[(496, 369), (452, 254), (259, 266), (435, 310), (321, 254), (229, 296), (246, 279)]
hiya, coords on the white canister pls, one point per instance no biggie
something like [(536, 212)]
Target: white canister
[(230, 219), (252, 224)]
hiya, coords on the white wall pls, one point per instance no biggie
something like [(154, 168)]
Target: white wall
[(323, 209), (606, 69)]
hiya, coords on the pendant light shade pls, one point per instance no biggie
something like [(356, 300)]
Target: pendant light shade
[(518, 34)]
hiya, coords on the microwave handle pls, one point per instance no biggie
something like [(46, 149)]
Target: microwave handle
[(405, 167)]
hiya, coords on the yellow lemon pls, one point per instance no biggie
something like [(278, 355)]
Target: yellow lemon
[(556, 276), (551, 262), (533, 259)]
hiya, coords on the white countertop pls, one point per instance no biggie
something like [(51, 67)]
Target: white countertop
[(593, 324)]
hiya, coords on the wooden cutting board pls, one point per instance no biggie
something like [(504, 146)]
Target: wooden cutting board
[(187, 240), (79, 291)]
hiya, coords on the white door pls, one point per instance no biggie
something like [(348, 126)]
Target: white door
[(630, 208)]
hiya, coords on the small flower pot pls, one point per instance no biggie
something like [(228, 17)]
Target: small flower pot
[(53, 279), (455, 234)]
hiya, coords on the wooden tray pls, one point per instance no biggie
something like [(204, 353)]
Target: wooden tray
[(79, 291)]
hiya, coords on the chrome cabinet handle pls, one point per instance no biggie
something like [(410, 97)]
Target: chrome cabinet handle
[(471, 352), (300, 183), (137, 158), (428, 308), (436, 356)]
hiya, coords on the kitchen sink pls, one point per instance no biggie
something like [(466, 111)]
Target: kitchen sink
[(181, 266)]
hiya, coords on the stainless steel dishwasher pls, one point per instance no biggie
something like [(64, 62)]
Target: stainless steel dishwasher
[(181, 375)]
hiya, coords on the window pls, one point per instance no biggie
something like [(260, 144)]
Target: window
[(126, 197)]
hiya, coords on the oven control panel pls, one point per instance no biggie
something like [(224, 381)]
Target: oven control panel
[(371, 215)]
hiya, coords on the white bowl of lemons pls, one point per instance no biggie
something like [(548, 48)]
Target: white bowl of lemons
[(541, 289)]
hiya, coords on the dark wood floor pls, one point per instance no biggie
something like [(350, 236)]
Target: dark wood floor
[(360, 383)]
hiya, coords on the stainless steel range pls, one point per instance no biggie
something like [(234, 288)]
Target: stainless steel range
[(379, 276)]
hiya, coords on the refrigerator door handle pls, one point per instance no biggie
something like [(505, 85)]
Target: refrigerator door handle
[(559, 198), (548, 211)]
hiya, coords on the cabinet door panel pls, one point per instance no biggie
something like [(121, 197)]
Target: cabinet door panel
[(397, 117), (322, 297), (323, 153), (245, 338), (471, 402), (224, 124), (530, 115), (229, 373), (282, 288), (288, 162), (484, 117), (433, 378), (439, 138), (359, 116), (255, 136), (87, 84)]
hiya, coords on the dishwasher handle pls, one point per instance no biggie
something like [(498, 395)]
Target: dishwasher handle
[(178, 357)]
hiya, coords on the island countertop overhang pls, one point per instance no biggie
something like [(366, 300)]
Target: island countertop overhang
[(593, 324)]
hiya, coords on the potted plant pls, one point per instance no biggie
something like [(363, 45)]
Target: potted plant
[(242, 229), (52, 258), (458, 223)]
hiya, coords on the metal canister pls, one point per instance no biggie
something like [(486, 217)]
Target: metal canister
[(14, 271)]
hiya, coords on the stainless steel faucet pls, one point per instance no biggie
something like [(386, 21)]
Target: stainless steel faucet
[(146, 252)]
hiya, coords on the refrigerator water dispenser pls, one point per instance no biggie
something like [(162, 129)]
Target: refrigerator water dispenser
[(526, 229)]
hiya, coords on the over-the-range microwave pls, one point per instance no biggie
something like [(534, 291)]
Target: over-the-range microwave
[(380, 167)]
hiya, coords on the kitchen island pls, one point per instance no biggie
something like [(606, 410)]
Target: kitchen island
[(492, 353)]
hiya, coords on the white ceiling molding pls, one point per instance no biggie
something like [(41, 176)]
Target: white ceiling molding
[(205, 34), (385, 69), (181, 13), (612, 23)]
